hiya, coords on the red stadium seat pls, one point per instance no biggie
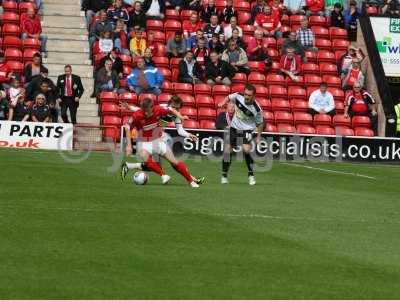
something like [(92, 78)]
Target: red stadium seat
[(191, 124), (276, 91), (109, 108), (310, 68), (241, 6), (320, 32), (131, 98), (337, 94), (325, 56), (264, 103), (299, 105), (172, 14), (10, 18), (302, 118), (147, 95), (280, 105), (361, 131), (161, 62), (248, 29), (167, 87), (275, 79), (269, 117), (221, 90), (185, 14), (16, 67), (340, 45), (332, 81), (285, 128), (160, 50), (311, 56), (10, 6), (283, 117), (344, 131), (339, 54), (13, 54), (12, 42), (31, 43), (322, 119), (175, 73), (256, 78), (361, 121), (206, 113), (290, 82), (112, 120), (174, 62), (324, 130), (243, 18), (188, 100), (285, 29), (166, 72), (269, 42), (317, 21), (312, 80), (159, 36), (261, 91), (237, 88), (295, 19), (270, 128), (24, 6), (182, 87), (311, 89), (28, 55), (108, 97), (372, 10), (204, 101), (190, 112), (156, 25), (323, 44), (297, 92), (207, 124), (328, 69), (202, 89), (275, 67), (341, 120), (256, 66), (305, 129), (284, 19), (338, 33), (220, 4), (274, 54), (239, 78), (172, 25), (164, 98), (279, 43), (11, 29), (339, 107)]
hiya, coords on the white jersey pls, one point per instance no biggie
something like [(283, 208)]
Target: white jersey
[(246, 116)]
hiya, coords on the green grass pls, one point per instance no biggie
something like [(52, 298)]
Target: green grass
[(74, 231)]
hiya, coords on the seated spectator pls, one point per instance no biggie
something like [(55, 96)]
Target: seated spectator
[(315, 7), (138, 44), (34, 69), (19, 111), (106, 43), (40, 112), (354, 74), (257, 50), (207, 11), (228, 12), (361, 103), (277, 9), (50, 99), (236, 57), (117, 64), (154, 9), (195, 5), (191, 27), (189, 70), (350, 20), (92, 7), (292, 42), (31, 28), (3, 106), (137, 16), (201, 52), (347, 59), (222, 39), (237, 39), (148, 58), (258, 8), (121, 38), (224, 118), (117, 12), (294, 7), (306, 36), (151, 44), (218, 71), (290, 64), (232, 25), (337, 19), (15, 91), (98, 28), (5, 72), (176, 46), (213, 27), (215, 44), (106, 79), (321, 101), (391, 8), (193, 40), (269, 23), (145, 79)]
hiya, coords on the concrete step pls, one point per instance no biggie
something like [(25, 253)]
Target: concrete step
[(68, 46), (89, 120), (56, 30), (84, 71), (87, 106), (67, 37), (86, 113), (67, 58), (61, 2), (62, 10), (63, 22)]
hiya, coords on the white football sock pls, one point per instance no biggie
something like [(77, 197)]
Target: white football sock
[(134, 166)]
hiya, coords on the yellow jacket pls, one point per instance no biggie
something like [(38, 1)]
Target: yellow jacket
[(137, 47)]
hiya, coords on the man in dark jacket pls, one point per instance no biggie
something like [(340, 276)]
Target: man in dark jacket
[(137, 16), (106, 79), (92, 7), (189, 70), (98, 28), (292, 42), (50, 95), (218, 71)]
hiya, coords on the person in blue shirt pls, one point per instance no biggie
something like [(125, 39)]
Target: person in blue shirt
[(192, 41), (145, 79)]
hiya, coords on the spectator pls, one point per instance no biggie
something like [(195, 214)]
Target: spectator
[(215, 44), (148, 58), (354, 74), (193, 40), (117, 64), (315, 7), (195, 5), (98, 28), (34, 86), (350, 20), (3, 106), (347, 59), (321, 101), (361, 103), (294, 7), (31, 28), (15, 91), (218, 71), (224, 118), (176, 46), (145, 79), (213, 27), (222, 39), (237, 39), (50, 99), (121, 38), (191, 27), (92, 7), (18, 110), (232, 25), (138, 44), (106, 79), (236, 57), (269, 23), (154, 9), (306, 36), (175, 4), (34, 69), (208, 11), (5, 72), (151, 44), (40, 112), (137, 16), (258, 8), (70, 90), (117, 12), (228, 12), (189, 70), (391, 8), (277, 9), (290, 64), (106, 44), (257, 50), (292, 42), (337, 19), (201, 52)]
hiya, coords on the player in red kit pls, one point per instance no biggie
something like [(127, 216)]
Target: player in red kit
[(150, 141)]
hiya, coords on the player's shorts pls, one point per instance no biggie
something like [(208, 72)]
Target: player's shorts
[(239, 137), (158, 146)]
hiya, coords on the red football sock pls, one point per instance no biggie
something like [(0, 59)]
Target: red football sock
[(181, 168), (151, 165)]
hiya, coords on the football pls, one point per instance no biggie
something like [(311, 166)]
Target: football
[(140, 178)]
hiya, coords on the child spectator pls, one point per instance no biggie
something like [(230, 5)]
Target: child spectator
[(138, 44), (106, 43)]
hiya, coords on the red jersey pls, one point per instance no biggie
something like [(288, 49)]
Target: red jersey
[(269, 22), (190, 29), (276, 10), (353, 76), (315, 5), (293, 65), (149, 128), (359, 102), (31, 26), (3, 72)]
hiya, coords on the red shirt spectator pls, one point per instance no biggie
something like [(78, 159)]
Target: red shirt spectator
[(315, 6), (359, 102), (190, 27), (151, 44), (276, 8), (291, 63), (30, 24), (4, 71), (268, 22)]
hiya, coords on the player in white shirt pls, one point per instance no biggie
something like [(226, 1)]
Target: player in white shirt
[(246, 119)]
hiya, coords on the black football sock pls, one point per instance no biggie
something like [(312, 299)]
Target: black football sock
[(249, 162), (226, 163)]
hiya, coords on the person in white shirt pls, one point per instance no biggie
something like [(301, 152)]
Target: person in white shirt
[(106, 44), (321, 101), (228, 29), (154, 8)]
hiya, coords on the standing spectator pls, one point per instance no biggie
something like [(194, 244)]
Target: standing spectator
[(106, 79), (294, 7), (228, 12), (354, 74), (224, 118), (215, 44), (121, 38), (292, 42), (70, 90), (208, 11), (117, 12), (213, 27), (148, 58), (138, 44), (3, 106), (306, 36), (34, 69), (218, 71), (321, 101), (32, 28), (176, 46), (315, 7), (189, 70), (232, 25), (290, 64), (257, 50), (145, 79), (257, 9), (5, 73), (337, 19), (40, 112), (50, 97), (137, 16), (361, 103), (154, 9), (350, 20), (192, 26), (193, 40), (269, 23), (236, 57), (106, 44), (237, 39), (97, 29), (92, 7), (175, 4)]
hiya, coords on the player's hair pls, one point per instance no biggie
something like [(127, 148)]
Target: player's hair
[(250, 87), (146, 103), (176, 100)]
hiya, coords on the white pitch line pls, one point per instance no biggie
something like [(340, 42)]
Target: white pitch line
[(330, 171)]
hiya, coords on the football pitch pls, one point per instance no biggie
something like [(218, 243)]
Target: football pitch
[(305, 231)]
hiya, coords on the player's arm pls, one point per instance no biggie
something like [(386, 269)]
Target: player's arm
[(177, 114), (227, 99), (184, 133)]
